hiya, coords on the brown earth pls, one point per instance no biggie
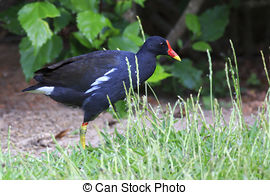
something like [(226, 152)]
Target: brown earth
[(32, 119)]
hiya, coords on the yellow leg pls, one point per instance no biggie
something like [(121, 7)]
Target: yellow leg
[(83, 130)]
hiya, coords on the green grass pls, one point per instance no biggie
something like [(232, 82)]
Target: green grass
[(154, 148)]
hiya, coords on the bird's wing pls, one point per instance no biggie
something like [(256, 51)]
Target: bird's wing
[(79, 72)]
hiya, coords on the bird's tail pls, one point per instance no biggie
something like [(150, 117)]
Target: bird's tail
[(31, 88), (39, 88)]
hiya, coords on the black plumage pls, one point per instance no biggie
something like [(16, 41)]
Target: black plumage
[(88, 80)]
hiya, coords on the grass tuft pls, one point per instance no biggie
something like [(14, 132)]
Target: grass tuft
[(156, 145)]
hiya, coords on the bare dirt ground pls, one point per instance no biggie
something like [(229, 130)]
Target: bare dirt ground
[(31, 119)]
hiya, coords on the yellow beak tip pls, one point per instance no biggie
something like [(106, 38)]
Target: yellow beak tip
[(177, 58)]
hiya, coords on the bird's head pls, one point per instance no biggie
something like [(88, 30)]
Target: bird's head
[(160, 46)]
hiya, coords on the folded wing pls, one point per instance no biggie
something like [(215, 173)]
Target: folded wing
[(79, 72)]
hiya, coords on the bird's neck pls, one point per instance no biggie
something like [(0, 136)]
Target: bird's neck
[(147, 63), (145, 56)]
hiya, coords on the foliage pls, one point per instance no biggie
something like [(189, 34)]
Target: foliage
[(10, 20), (214, 22), (120, 109), (253, 80), (186, 74), (46, 25), (193, 24), (91, 28), (45, 54), (129, 41), (159, 75), (204, 29), (31, 19), (201, 46)]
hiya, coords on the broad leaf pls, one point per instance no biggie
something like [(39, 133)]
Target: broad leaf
[(30, 17), (132, 29), (140, 2), (83, 5), (84, 41), (214, 22), (31, 62), (180, 43), (193, 24), (103, 36), (158, 75), (187, 75), (201, 46), (60, 22), (96, 42), (122, 6), (77, 6), (91, 24), (67, 4), (136, 39), (131, 32), (122, 43), (120, 109)]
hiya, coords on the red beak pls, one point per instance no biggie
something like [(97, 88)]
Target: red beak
[(172, 53)]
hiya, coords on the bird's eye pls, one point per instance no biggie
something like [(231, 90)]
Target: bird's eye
[(162, 44)]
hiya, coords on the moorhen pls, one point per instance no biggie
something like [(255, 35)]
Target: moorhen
[(89, 80)]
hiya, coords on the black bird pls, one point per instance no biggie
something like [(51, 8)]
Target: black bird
[(89, 80)]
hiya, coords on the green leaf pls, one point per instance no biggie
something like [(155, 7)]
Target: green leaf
[(60, 22), (207, 102), (83, 5), (193, 24), (122, 43), (103, 36), (201, 46), (84, 41), (187, 75), (253, 80), (180, 43), (31, 61), (158, 75), (120, 109), (123, 6), (214, 22), (67, 4), (135, 39), (80, 5), (30, 17), (140, 2), (91, 24), (132, 29), (131, 32), (10, 20)]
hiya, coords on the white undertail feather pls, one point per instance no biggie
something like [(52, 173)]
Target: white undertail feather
[(43, 90)]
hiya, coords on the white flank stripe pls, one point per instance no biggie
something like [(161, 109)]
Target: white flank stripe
[(92, 89), (44, 90), (112, 70), (100, 80)]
